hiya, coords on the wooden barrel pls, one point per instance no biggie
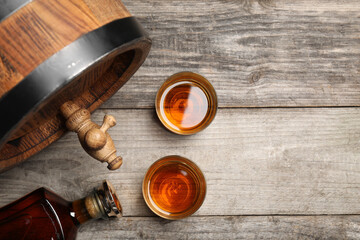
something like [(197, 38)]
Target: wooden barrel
[(54, 51)]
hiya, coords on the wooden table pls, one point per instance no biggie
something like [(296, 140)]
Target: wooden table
[(282, 157)]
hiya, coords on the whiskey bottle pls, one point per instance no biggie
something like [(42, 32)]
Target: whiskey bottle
[(43, 214)]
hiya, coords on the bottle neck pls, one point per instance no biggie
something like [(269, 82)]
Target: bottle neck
[(88, 208)]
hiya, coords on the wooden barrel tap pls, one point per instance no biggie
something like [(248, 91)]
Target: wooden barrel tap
[(52, 52)]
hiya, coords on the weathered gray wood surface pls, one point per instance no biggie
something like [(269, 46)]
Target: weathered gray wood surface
[(256, 53), (231, 227), (257, 161)]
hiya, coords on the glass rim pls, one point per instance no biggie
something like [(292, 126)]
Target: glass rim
[(204, 85), (198, 174)]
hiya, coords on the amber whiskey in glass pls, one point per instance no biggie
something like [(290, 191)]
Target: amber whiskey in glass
[(186, 103), (174, 187)]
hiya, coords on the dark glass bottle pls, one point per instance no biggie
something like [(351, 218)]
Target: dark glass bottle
[(43, 214)]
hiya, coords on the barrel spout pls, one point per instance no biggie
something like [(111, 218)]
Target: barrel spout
[(95, 140)]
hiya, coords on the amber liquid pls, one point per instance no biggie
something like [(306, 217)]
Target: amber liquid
[(184, 105), (173, 188), (39, 215)]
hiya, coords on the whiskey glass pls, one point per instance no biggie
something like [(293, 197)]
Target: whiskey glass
[(186, 103), (174, 187)]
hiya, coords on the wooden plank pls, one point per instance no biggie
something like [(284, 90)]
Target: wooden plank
[(317, 6), (256, 161), (247, 227), (256, 53)]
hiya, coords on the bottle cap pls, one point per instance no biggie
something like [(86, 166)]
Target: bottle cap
[(107, 198)]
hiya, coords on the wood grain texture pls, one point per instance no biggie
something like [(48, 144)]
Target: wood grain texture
[(292, 161), (255, 161), (41, 28), (256, 53), (9, 75), (234, 227), (37, 31), (108, 10)]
